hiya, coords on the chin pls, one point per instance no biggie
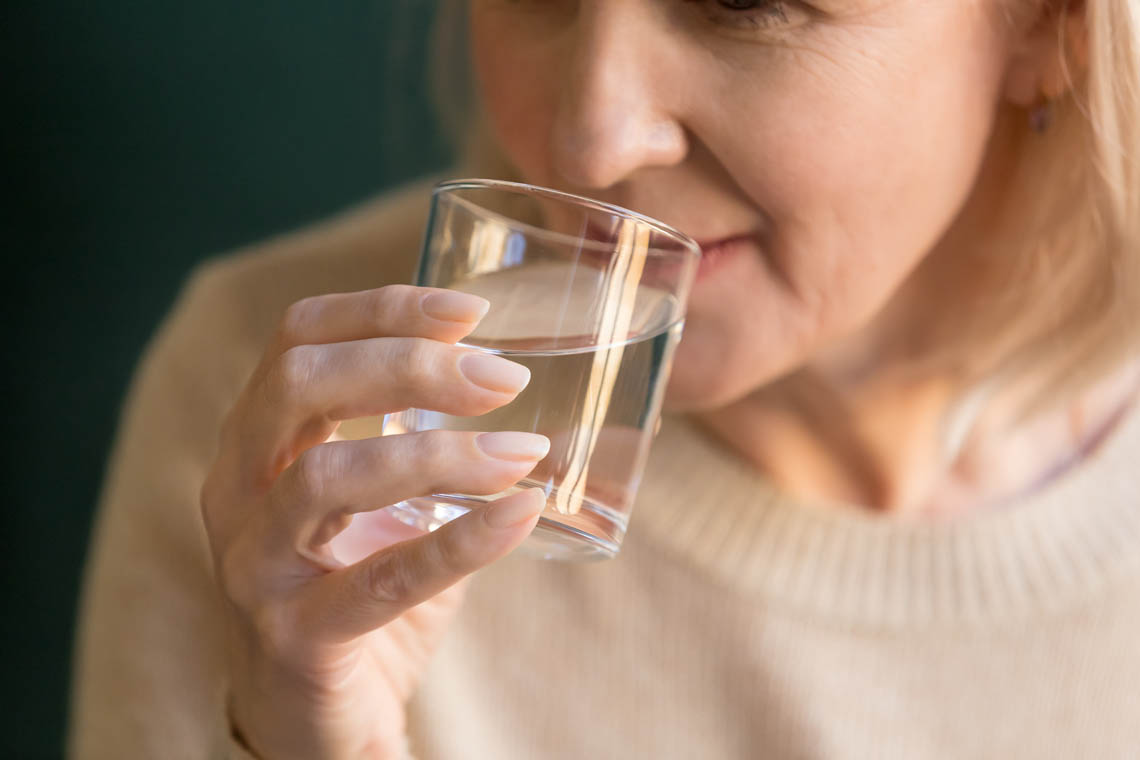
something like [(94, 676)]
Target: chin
[(681, 398), (704, 376)]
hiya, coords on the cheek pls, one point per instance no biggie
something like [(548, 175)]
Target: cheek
[(871, 177), (858, 170)]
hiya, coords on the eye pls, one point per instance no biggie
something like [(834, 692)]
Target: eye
[(772, 10), (745, 5), (752, 14)]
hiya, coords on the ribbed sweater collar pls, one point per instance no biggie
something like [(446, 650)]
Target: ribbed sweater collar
[(702, 503)]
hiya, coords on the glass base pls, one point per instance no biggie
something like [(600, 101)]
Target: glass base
[(550, 539)]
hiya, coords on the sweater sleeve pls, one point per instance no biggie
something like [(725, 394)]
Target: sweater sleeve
[(149, 665)]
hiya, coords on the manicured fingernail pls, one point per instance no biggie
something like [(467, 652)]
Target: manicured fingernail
[(452, 306), (514, 509), (513, 447), (494, 373)]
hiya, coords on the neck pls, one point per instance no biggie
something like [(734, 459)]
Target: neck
[(870, 443), (893, 444)]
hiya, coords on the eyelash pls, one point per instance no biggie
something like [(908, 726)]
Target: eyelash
[(764, 14)]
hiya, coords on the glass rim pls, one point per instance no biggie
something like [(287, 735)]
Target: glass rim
[(690, 246)]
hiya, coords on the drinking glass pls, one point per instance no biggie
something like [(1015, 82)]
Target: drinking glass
[(591, 298)]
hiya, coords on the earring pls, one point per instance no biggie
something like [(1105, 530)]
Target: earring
[(1041, 117)]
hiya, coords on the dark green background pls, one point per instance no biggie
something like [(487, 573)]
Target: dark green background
[(141, 137)]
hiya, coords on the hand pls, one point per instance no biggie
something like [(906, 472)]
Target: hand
[(323, 654)]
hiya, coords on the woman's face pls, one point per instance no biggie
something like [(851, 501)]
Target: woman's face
[(817, 150)]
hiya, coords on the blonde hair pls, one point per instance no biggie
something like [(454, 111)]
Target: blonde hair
[(1112, 107), (1060, 306), (1068, 308)]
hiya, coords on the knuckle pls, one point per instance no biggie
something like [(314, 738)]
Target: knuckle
[(292, 373), (275, 633), (296, 320), (383, 303), (312, 470), (235, 578), (437, 457), (434, 450), (416, 359), (449, 552), (394, 293), (388, 580)]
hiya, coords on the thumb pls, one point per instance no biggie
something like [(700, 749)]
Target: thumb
[(354, 600)]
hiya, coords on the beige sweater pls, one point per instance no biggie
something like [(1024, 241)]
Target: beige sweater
[(734, 624)]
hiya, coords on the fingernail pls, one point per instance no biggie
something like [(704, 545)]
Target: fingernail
[(514, 509), (452, 306), (494, 373), (513, 447)]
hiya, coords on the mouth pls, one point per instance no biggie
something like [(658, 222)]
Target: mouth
[(716, 253)]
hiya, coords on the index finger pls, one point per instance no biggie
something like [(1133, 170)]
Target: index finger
[(393, 311)]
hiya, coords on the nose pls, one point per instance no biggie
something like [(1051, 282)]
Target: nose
[(614, 116)]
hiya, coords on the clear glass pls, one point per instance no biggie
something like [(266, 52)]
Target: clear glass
[(591, 298)]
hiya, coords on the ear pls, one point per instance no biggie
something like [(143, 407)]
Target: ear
[(1050, 55)]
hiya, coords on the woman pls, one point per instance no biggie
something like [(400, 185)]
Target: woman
[(893, 511)]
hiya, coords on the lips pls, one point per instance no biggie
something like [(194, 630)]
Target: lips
[(716, 253)]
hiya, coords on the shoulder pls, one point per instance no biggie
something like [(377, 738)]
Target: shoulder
[(226, 312), (377, 243)]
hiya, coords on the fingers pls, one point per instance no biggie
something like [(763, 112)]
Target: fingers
[(309, 502), (391, 311), (352, 601), (309, 388)]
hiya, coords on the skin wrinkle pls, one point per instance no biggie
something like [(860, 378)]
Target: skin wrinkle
[(847, 74), (804, 291)]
